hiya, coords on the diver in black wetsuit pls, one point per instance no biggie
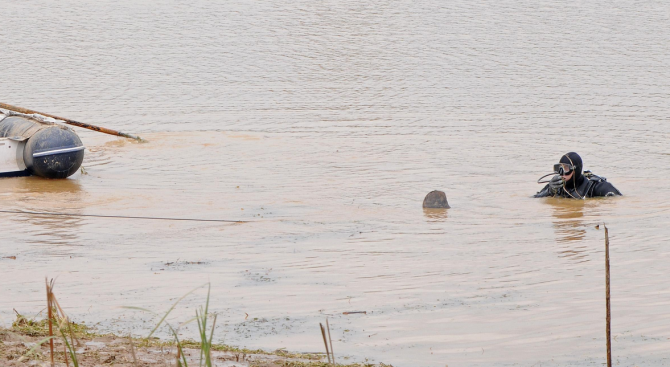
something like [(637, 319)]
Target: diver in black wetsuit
[(572, 183)]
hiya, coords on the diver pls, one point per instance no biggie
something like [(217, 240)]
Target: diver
[(570, 182)]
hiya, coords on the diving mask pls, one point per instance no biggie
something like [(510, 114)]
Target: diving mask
[(563, 169)]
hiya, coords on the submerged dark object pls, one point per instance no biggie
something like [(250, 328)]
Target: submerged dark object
[(436, 200), (43, 149)]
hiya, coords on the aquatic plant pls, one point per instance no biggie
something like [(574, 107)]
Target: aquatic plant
[(201, 317), (56, 316)]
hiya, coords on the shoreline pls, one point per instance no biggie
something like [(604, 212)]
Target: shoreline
[(93, 350)]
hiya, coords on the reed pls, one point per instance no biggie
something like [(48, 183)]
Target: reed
[(323, 333), (132, 349), (58, 317), (69, 345), (50, 313), (202, 317), (332, 352), (206, 343), (327, 340)]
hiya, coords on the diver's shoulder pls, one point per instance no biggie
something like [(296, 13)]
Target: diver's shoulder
[(599, 186), (593, 177)]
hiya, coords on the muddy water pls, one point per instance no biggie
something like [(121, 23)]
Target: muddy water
[(324, 124)]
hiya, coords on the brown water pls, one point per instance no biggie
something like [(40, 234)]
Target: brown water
[(324, 123)]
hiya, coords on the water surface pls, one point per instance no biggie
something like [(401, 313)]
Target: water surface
[(324, 124)]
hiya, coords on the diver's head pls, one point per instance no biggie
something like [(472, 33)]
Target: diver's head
[(570, 168)]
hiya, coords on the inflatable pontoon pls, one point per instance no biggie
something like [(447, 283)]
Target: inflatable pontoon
[(30, 146)]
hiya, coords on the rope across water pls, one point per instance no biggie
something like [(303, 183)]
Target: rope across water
[(123, 216)]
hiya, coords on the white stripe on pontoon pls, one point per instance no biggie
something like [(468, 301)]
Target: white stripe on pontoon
[(58, 151)]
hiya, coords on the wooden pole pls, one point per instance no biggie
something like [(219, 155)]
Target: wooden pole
[(71, 122), (607, 297)]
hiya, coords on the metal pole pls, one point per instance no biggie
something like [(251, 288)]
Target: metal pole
[(607, 297)]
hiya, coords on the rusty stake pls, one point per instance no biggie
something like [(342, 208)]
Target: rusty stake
[(607, 297)]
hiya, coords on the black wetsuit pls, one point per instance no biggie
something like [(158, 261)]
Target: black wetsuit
[(580, 185), (585, 188)]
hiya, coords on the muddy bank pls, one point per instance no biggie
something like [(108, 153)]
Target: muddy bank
[(19, 347)]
